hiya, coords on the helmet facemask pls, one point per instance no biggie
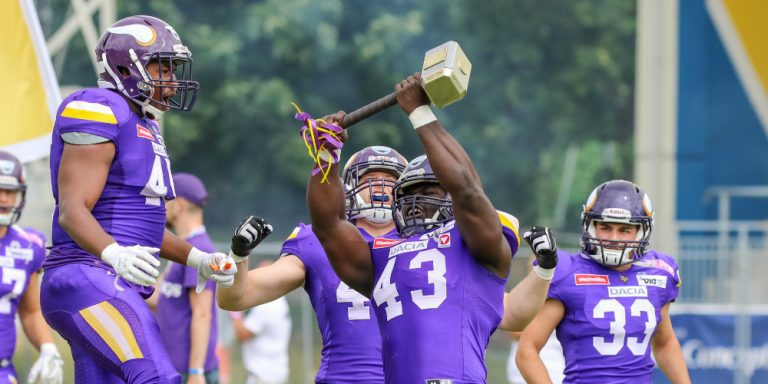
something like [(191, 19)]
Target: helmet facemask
[(614, 253), (416, 213)]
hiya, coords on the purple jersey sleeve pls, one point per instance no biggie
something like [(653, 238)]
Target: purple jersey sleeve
[(291, 245), (95, 111), (562, 272), (511, 233)]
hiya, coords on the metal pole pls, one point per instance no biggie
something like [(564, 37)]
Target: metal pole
[(742, 329)]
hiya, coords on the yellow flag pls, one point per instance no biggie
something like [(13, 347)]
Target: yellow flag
[(30, 94)]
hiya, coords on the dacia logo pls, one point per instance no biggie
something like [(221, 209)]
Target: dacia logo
[(408, 247), (630, 291)]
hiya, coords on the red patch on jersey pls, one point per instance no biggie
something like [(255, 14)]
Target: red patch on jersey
[(444, 240), (383, 242), (588, 279), (144, 132)]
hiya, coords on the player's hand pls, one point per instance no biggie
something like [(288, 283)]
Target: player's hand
[(544, 246), (212, 266), (48, 367), (410, 94), (248, 234), (135, 264)]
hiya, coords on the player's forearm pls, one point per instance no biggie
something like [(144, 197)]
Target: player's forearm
[(449, 161), (669, 357), (199, 334), (234, 297), (36, 328), (174, 248), (326, 199), (80, 224), (530, 365), (524, 302)]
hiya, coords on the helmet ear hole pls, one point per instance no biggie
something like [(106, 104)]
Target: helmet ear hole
[(124, 71)]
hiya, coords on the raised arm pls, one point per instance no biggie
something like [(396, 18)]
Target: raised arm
[(346, 249), (476, 217)]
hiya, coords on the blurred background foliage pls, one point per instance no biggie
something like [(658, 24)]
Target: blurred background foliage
[(546, 75)]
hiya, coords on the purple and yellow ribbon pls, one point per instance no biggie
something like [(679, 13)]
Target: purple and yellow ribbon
[(322, 140)]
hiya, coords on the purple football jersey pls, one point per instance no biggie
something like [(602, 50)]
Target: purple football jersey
[(131, 207), (611, 316), (436, 306), (351, 341), (174, 314), (21, 255)]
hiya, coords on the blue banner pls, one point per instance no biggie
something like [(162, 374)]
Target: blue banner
[(707, 341)]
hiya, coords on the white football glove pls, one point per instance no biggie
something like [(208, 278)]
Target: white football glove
[(212, 266), (48, 367), (135, 264)]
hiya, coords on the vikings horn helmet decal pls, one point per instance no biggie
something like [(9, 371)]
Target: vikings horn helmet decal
[(125, 50)]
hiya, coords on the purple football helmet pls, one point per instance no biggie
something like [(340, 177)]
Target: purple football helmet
[(123, 53), (12, 178), (415, 213), (616, 201), (375, 158)]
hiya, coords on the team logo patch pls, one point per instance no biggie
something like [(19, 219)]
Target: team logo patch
[(590, 279), (383, 242), (443, 240), (439, 381), (630, 291), (652, 280), (408, 247), (144, 132), (7, 166)]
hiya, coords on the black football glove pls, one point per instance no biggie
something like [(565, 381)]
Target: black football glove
[(544, 246), (251, 231)]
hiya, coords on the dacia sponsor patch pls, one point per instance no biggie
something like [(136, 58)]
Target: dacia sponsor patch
[(19, 253), (591, 279), (408, 247), (383, 242), (628, 291), (144, 132), (652, 280)]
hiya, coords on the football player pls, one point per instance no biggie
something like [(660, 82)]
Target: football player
[(610, 302), (437, 285), (351, 350), (22, 252), (111, 176)]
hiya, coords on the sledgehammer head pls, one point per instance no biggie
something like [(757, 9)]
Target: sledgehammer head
[(445, 74)]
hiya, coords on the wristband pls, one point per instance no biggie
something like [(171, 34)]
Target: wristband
[(545, 274), (195, 257), (421, 116), (196, 371)]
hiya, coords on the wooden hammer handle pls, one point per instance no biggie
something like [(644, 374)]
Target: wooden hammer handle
[(371, 109)]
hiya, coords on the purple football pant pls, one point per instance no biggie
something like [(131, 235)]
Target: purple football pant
[(113, 335)]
